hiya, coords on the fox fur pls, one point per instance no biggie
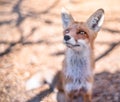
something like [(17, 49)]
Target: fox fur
[(76, 78)]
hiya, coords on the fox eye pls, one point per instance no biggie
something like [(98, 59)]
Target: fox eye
[(67, 31), (81, 32)]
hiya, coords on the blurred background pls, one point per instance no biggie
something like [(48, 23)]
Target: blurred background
[(31, 48)]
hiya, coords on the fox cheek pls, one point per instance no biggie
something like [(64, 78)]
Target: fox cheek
[(83, 43)]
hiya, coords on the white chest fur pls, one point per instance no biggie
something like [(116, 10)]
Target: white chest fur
[(78, 68)]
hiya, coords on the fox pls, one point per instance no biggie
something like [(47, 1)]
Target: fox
[(77, 75)]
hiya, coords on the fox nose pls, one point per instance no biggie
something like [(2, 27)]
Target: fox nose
[(66, 37)]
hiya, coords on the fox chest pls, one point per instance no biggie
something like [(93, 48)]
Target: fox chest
[(78, 70)]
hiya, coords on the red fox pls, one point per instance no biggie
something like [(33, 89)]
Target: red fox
[(76, 77)]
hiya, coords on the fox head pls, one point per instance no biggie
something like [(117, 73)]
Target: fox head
[(81, 35)]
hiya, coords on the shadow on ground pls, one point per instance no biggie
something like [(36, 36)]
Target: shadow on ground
[(19, 20), (108, 82)]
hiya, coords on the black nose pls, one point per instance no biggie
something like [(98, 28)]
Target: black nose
[(66, 37)]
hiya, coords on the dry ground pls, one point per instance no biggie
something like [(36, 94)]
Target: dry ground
[(31, 47)]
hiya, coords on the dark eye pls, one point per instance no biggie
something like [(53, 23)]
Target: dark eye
[(67, 31), (81, 32)]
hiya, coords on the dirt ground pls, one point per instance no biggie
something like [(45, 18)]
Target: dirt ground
[(31, 48)]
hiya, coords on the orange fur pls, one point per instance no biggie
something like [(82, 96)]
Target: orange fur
[(81, 35)]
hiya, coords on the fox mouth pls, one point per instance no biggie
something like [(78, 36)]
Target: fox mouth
[(71, 45)]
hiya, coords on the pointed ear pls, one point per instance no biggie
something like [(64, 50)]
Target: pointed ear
[(95, 21), (67, 19)]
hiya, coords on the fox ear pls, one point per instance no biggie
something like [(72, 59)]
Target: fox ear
[(95, 21), (66, 18)]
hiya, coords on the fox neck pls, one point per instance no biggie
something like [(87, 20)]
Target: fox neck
[(79, 59), (77, 68)]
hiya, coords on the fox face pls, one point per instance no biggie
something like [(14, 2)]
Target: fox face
[(80, 35), (76, 36)]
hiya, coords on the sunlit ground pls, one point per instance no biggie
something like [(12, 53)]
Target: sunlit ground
[(31, 48)]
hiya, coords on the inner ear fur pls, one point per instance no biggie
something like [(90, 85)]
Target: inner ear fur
[(95, 21), (67, 18)]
